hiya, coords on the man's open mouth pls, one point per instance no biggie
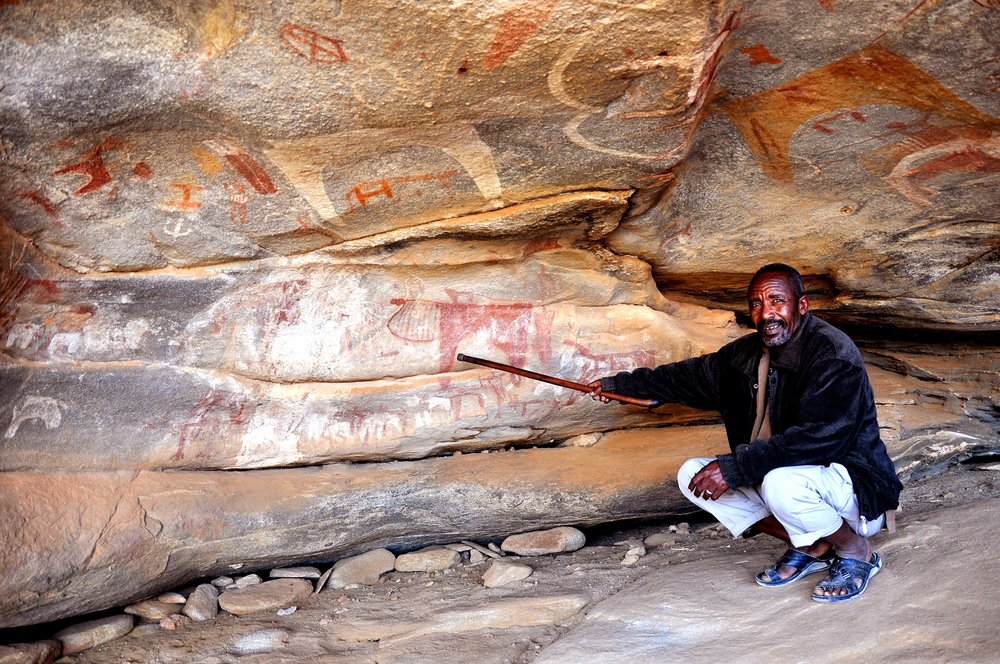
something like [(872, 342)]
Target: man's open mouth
[(772, 327)]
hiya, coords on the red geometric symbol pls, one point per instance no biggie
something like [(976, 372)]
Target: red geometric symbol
[(311, 45), (382, 188), (92, 166)]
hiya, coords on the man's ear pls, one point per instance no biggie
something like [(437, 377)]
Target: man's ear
[(803, 305)]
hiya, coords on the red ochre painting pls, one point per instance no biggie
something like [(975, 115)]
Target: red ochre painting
[(769, 119)]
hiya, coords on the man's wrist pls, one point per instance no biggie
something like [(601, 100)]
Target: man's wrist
[(730, 470)]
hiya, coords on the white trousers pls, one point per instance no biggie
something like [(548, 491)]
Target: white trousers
[(809, 501)]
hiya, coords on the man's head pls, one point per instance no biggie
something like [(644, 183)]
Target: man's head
[(777, 302)]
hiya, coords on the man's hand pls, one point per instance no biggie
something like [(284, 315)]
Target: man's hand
[(708, 483), (595, 394)]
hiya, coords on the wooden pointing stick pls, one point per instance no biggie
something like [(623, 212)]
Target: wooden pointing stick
[(579, 387)]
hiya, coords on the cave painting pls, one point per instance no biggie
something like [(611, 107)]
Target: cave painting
[(515, 329), (872, 76), (187, 197), (38, 197), (388, 188), (516, 26), (311, 45), (703, 65), (212, 416), (91, 166), (244, 164), (759, 55), (304, 161)]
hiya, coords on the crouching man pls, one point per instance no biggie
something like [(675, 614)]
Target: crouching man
[(807, 465)]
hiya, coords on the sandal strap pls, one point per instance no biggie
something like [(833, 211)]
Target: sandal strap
[(846, 571), (797, 559)]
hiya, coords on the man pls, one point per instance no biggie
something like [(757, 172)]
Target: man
[(807, 465)]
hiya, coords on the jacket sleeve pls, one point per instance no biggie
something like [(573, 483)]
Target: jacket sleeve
[(829, 415), (693, 382)]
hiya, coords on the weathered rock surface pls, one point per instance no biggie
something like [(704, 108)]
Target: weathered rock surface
[(276, 594), (260, 641), (359, 121), (237, 236), (543, 542), (867, 155), (135, 534), (666, 615), (498, 614), (175, 406)]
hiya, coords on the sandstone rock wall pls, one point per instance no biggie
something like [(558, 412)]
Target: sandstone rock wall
[(254, 236)]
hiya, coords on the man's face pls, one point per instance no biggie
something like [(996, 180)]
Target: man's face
[(774, 310)]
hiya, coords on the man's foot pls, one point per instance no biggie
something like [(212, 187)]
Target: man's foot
[(848, 578), (792, 566)]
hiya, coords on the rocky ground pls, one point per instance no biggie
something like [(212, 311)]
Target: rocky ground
[(686, 594)]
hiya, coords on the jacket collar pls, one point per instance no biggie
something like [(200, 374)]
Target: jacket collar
[(788, 356)]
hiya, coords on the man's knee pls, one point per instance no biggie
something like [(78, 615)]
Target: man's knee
[(779, 481), (789, 486), (688, 470)]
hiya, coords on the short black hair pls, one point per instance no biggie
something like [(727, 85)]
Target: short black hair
[(798, 287)]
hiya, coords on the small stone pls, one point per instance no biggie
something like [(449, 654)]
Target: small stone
[(36, 652), (222, 581), (203, 604), (543, 542), (659, 539), (261, 641), (267, 596), (321, 583), (949, 495), (684, 527), (504, 573), (461, 548), (476, 556), (174, 621), (295, 573), (486, 551), (287, 612), (144, 629), (79, 637), (364, 569), (171, 598), (152, 610), (430, 559), (630, 559), (636, 550), (583, 440), (248, 580), (495, 549)]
